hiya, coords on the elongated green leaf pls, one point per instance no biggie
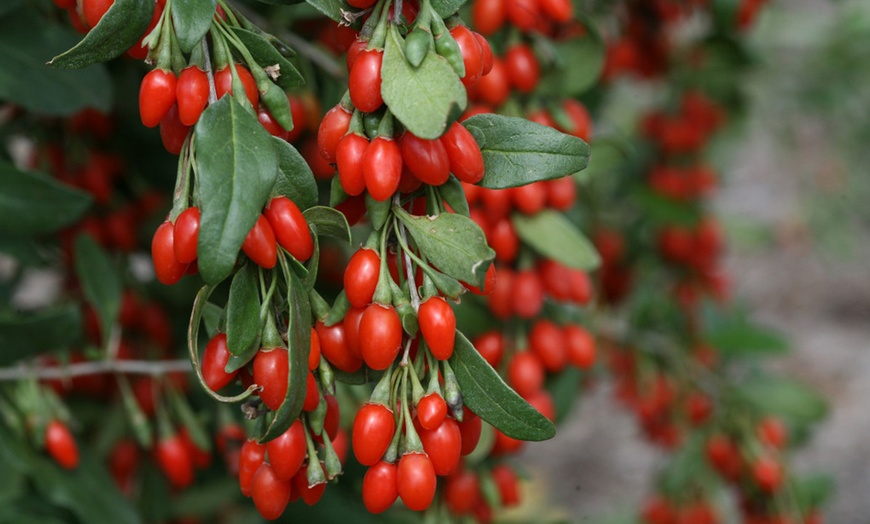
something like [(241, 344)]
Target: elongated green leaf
[(121, 27), (211, 317), (329, 222), (23, 335), (299, 344), (26, 40), (579, 62), (452, 243), (191, 20), (485, 393), (295, 179), (237, 167), (268, 57), (425, 98), (555, 237), (243, 311), (331, 8), (35, 204), (745, 339), (786, 398), (517, 152), (454, 195), (445, 8), (100, 281)]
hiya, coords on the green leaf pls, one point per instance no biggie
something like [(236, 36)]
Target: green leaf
[(122, 26), (191, 20), (739, 339), (211, 317), (555, 237), (243, 311), (26, 40), (786, 398), (267, 56), (331, 8), (23, 335), (237, 167), (812, 492), (454, 195), (578, 65), (295, 179), (445, 8), (34, 203), (100, 281), (485, 393), (299, 344), (453, 243), (517, 152), (329, 222), (425, 99)]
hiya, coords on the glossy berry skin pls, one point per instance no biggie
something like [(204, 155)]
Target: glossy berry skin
[(461, 492), (579, 346), (416, 481), (494, 88), (332, 128), (172, 131), (490, 345), (426, 159), (488, 15), (438, 325), (559, 10), (508, 485), (529, 199), (214, 362), (443, 445), (260, 244), (431, 411), (290, 227), (251, 456), (351, 329), (312, 393), (380, 336), (191, 93), (373, 429), (349, 162), (271, 369), (93, 10), (528, 294), (768, 473), (523, 69), (167, 268), (380, 487), (470, 429), (333, 346), (186, 235), (314, 351), (364, 82), (382, 168), (361, 277), (546, 340), (156, 96), (223, 83), (174, 460), (524, 14), (525, 373), (472, 54), (310, 494), (288, 451), (270, 493), (270, 124), (61, 445), (463, 153)]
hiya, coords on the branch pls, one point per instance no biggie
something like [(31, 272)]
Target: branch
[(96, 367)]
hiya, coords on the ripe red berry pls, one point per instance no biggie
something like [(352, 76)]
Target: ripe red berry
[(525, 373), (443, 445), (270, 493), (349, 161), (223, 83), (174, 460), (546, 340), (438, 326), (191, 93), (380, 487), (579, 346), (508, 485), (167, 268), (380, 336), (416, 481), (523, 69), (334, 347), (361, 277), (463, 153), (290, 227), (271, 369), (332, 128), (431, 410), (373, 429), (186, 235), (427, 160), (260, 244), (214, 362), (251, 456), (461, 492), (364, 82), (288, 451), (61, 445), (382, 168), (156, 96)]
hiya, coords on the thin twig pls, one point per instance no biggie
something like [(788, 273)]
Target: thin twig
[(212, 91), (96, 367)]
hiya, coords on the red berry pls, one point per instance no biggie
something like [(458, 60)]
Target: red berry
[(349, 161), (548, 343), (333, 346), (431, 410), (523, 69), (186, 235), (260, 244), (191, 93), (525, 373), (270, 493), (214, 362), (364, 82), (443, 445), (426, 159), (382, 168), (223, 83), (290, 227), (156, 96), (380, 487), (167, 268), (373, 429), (332, 128), (251, 456), (271, 369), (288, 451), (416, 481), (380, 336), (361, 277), (61, 445), (463, 153), (174, 460), (438, 326)]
